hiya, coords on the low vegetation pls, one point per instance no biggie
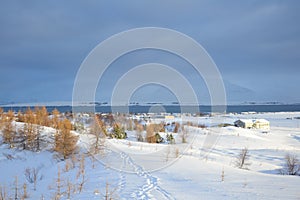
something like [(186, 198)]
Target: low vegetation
[(291, 165), (242, 159), (28, 135), (118, 132), (152, 133)]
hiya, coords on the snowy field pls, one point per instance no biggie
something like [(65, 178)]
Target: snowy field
[(200, 169)]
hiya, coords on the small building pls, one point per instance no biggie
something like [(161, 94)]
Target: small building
[(253, 123), (244, 123)]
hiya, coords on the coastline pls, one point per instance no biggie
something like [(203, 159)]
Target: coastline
[(163, 108)]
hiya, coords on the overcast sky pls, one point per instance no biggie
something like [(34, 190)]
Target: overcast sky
[(255, 44)]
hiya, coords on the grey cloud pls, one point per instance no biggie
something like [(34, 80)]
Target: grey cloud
[(253, 43)]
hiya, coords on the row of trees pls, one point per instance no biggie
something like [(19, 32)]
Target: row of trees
[(28, 135), (119, 123)]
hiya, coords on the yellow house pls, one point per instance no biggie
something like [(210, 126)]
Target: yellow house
[(261, 124), (169, 117)]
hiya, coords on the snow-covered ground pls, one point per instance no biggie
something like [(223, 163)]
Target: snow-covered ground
[(127, 169)]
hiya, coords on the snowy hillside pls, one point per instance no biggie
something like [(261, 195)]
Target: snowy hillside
[(127, 169)]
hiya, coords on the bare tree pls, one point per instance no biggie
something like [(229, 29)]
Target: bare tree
[(98, 129), (70, 188), (81, 174), (59, 186), (291, 166), (3, 193), (184, 135), (242, 159), (25, 194)]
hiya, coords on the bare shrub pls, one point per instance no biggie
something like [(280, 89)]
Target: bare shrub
[(184, 135), (291, 166), (177, 153), (16, 188), (242, 159), (129, 124), (223, 175), (32, 176), (61, 187), (139, 132), (189, 123), (109, 193), (202, 126), (177, 127), (25, 194), (8, 156), (152, 135)]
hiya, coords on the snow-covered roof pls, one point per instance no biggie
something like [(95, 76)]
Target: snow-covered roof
[(261, 121), (254, 120), (246, 120)]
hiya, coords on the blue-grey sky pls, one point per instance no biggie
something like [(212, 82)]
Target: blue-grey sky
[(255, 44)]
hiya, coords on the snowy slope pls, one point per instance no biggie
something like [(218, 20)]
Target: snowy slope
[(122, 168)]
